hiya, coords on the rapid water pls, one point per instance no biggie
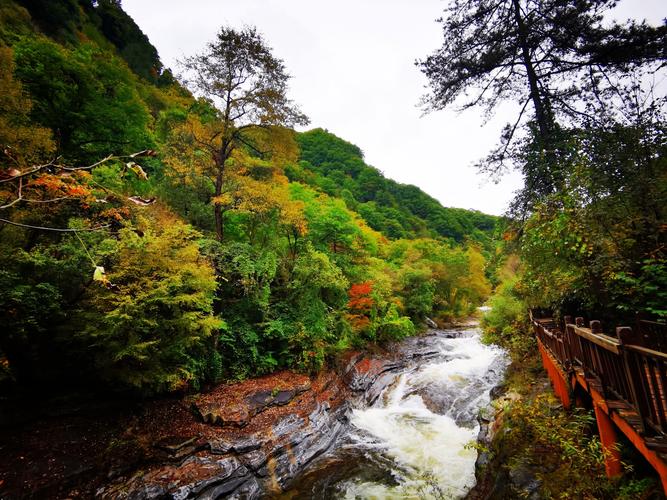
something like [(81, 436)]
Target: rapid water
[(417, 440)]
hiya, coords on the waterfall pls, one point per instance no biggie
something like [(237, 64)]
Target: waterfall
[(417, 439)]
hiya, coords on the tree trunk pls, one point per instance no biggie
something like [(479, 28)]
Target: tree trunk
[(542, 113), (217, 207), (220, 158)]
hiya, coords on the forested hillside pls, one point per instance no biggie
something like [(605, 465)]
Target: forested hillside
[(151, 242), (397, 210)]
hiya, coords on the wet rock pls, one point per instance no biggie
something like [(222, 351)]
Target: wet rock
[(284, 397), (498, 391), (178, 447), (430, 322), (259, 400), (220, 446), (174, 443), (289, 432), (247, 491), (427, 354), (247, 444), (524, 482), (254, 460), (323, 430), (211, 413), (288, 426), (378, 386), (196, 477), (240, 413), (366, 371)]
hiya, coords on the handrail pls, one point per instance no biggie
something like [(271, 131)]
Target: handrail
[(624, 371), (604, 341), (647, 351)]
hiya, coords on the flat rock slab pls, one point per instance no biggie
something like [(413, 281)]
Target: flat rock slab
[(194, 478), (218, 408)]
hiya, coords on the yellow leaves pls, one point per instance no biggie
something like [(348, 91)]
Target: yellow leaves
[(188, 151), (280, 141), (19, 138), (249, 185), (225, 199), (292, 215)]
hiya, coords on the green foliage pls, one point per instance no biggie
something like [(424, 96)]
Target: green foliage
[(148, 331), (36, 287), (60, 19), (277, 321), (417, 291), (86, 96), (394, 327), (132, 44), (397, 210), (234, 257), (599, 243), (570, 460), (25, 141), (439, 279), (562, 450), (506, 322)]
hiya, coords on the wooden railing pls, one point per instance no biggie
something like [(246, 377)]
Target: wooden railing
[(630, 375)]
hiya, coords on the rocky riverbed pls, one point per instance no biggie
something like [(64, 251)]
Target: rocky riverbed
[(281, 433)]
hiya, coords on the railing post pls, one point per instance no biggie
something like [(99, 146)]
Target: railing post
[(598, 356), (627, 336)]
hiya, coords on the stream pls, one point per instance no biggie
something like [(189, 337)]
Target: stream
[(416, 440)]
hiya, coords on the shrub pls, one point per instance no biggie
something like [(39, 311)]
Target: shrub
[(394, 327), (506, 322)]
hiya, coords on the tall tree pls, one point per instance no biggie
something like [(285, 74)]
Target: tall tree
[(248, 86), (558, 56)]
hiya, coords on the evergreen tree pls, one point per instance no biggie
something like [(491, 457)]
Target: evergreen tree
[(556, 56)]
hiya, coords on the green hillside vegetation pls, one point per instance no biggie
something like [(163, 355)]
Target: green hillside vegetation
[(397, 210), (133, 260)]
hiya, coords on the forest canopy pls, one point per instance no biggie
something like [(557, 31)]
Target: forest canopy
[(154, 240)]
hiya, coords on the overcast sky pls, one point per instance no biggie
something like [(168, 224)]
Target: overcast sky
[(353, 73)]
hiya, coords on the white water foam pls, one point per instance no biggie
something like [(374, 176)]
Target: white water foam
[(432, 454)]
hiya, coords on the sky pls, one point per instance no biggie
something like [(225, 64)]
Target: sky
[(353, 72)]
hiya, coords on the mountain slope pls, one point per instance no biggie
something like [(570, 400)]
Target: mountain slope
[(398, 210)]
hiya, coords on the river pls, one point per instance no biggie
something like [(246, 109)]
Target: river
[(417, 439)]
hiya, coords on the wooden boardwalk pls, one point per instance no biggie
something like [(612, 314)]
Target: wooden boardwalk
[(624, 375)]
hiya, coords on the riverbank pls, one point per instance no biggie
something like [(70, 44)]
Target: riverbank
[(219, 437), (243, 439), (530, 447)]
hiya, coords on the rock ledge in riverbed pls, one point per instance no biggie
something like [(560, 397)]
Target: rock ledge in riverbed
[(257, 436), (211, 410)]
